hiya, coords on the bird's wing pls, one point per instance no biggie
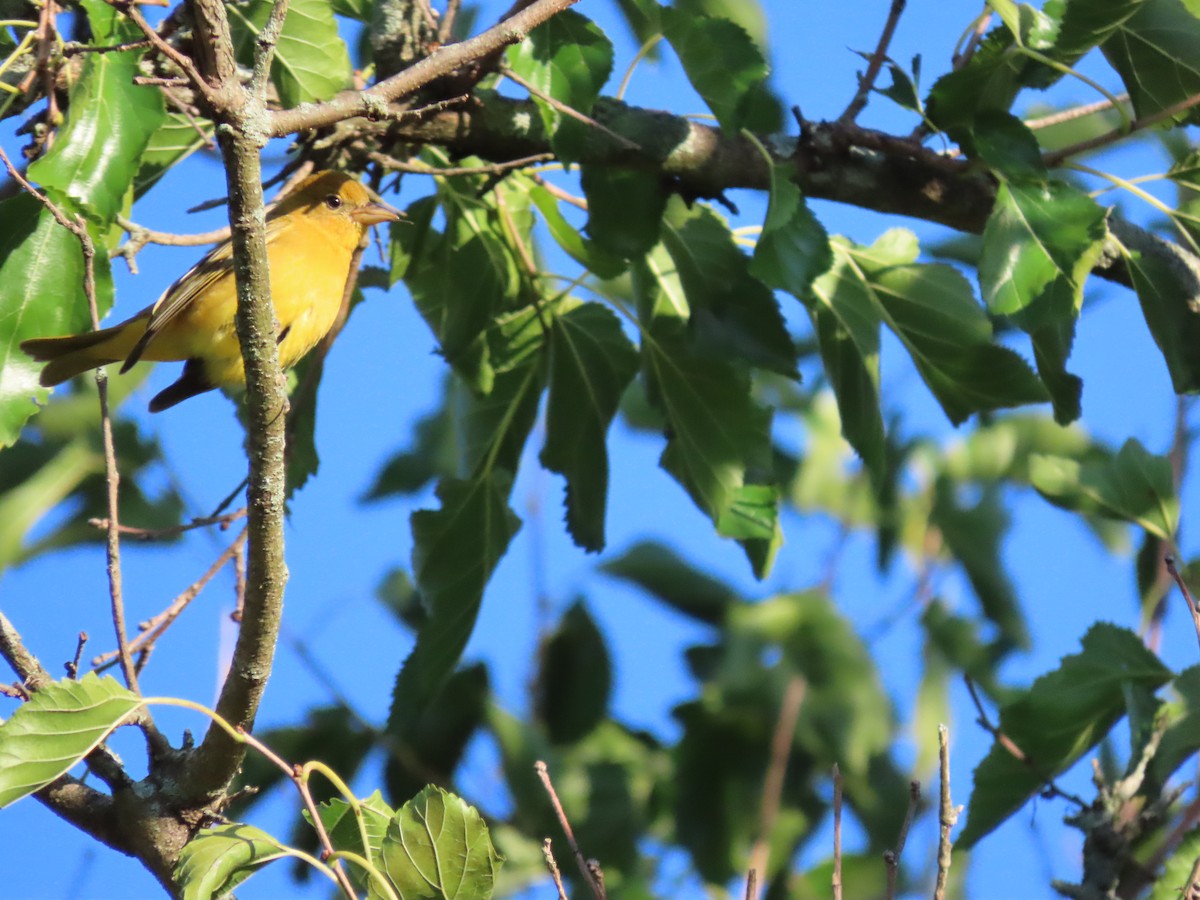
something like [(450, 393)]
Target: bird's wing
[(216, 264)]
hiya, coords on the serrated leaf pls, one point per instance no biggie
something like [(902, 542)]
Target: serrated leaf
[(591, 365), (455, 550), (725, 66), (177, 138), (1133, 486), (438, 847), (666, 576), (625, 208), (574, 677), (218, 859), (793, 248), (109, 122), (569, 59), (733, 314), (716, 427), (311, 60), (1060, 718), (61, 724)]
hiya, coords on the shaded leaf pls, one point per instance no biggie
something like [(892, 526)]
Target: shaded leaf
[(311, 60), (1060, 718), (574, 677), (666, 576), (625, 208), (218, 859), (1156, 51), (591, 365)]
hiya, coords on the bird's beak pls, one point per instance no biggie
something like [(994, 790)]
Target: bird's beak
[(374, 213)]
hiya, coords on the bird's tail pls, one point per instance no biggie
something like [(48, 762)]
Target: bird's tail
[(72, 354)]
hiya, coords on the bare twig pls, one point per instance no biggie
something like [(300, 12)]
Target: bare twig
[(157, 534), (1187, 595), (71, 48), (420, 168), (596, 886), (772, 790), (1118, 134), (18, 657), (446, 27), (264, 51), (947, 815), (960, 59), (1072, 113), (184, 62), (891, 858), (867, 82), (751, 891), (558, 193), (72, 667), (552, 865), (1191, 890), (837, 832), (155, 627)]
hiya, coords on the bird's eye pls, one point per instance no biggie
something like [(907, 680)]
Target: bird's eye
[(333, 201)]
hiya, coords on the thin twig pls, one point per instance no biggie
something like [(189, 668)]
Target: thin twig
[(891, 858), (947, 815), (184, 62), (446, 27), (296, 774), (1191, 890), (1072, 113), (158, 534), (751, 892), (837, 833), (1187, 595), (1117, 134), (420, 168), (154, 628), (867, 82), (544, 774), (552, 865), (71, 48), (18, 657), (112, 477), (73, 666), (570, 111), (264, 50), (772, 790)]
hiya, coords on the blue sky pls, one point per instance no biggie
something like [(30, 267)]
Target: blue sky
[(383, 374)]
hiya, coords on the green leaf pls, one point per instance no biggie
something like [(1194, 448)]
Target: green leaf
[(933, 312), (793, 248), (1169, 291), (753, 521), (574, 677), (1177, 869), (438, 847), (587, 253), (177, 138), (733, 314), (725, 66), (846, 319), (344, 832), (974, 534), (1156, 52), (455, 551), (625, 208), (716, 428), (311, 60), (591, 365), (218, 859), (435, 738), (661, 572), (1062, 716), (569, 59), (362, 10), (109, 122), (61, 724), (24, 505), (1134, 486)]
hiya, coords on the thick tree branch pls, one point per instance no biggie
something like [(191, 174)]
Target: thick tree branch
[(218, 758)]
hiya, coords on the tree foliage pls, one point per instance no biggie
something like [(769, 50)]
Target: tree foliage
[(581, 268)]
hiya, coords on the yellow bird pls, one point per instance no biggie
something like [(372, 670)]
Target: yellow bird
[(311, 237)]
